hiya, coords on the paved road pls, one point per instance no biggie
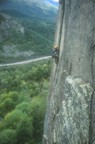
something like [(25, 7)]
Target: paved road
[(25, 62)]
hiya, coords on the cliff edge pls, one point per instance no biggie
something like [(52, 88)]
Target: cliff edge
[(70, 116)]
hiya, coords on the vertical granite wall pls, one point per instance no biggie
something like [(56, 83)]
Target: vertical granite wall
[(70, 116)]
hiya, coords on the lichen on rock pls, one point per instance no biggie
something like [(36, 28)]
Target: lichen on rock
[(74, 115)]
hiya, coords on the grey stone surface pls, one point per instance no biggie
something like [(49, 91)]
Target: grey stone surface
[(70, 117), (72, 124)]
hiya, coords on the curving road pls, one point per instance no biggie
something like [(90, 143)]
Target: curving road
[(25, 62)]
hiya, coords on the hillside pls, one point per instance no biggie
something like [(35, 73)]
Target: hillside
[(26, 29)]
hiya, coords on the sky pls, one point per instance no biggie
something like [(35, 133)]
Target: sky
[(56, 0)]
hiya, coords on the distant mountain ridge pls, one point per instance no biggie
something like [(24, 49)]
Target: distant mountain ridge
[(42, 9), (53, 2)]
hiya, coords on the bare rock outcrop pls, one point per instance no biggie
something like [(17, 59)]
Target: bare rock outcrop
[(70, 116), (72, 121)]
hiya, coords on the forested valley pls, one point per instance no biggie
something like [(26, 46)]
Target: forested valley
[(27, 30), (23, 39), (23, 94)]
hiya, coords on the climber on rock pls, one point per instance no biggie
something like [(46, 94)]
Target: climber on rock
[(55, 52)]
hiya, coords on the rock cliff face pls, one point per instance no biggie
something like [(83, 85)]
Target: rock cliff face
[(70, 116)]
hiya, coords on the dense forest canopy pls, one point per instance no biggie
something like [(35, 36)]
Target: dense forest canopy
[(23, 93)]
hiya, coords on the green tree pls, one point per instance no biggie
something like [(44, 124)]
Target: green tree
[(38, 112), (8, 136)]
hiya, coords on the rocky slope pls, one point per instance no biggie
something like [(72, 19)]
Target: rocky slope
[(10, 32), (8, 25), (26, 29)]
